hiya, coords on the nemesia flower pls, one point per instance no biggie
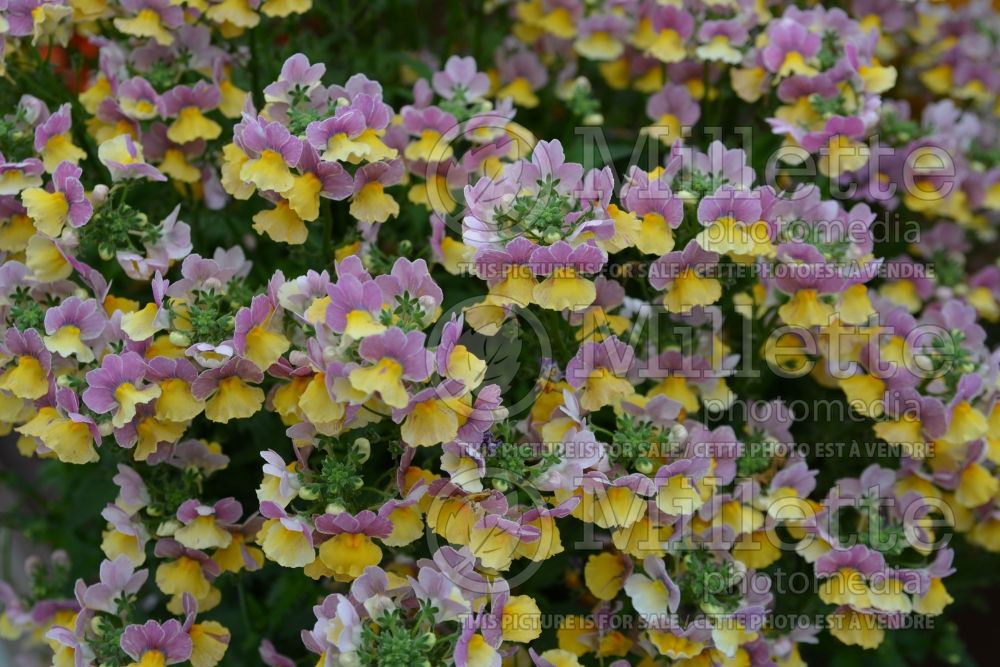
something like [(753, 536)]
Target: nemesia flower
[(125, 536), (721, 41), (680, 273), (204, 526), (336, 136), (209, 639), (188, 105), (18, 176), (53, 140), (662, 35), (671, 110), (63, 430), (732, 224), (655, 593), (350, 549), (118, 386), (597, 371), (285, 540), (649, 215), (72, 326), (298, 78), (270, 152), (254, 337), (564, 287), (601, 37), (477, 646), (370, 203), (124, 160), (187, 573), (460, 78), (319, 179), (138, 98), (790, 46), (353, 306), (152, 641), (27, 377), (119, 581), (395, 356), (151, 18), (67, 203), (521, 75), (228, 392)]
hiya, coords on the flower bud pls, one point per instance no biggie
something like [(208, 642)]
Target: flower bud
[(943, 293), (99, 194), (168, 528), (501, 485), (678, 433), (643, 465), (179, 339), (364, 448), (335, 508), (308, 493)]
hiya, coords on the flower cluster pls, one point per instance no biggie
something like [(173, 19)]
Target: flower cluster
[(370, 373)]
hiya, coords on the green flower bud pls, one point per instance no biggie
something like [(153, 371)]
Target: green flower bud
[(364, 448), (308, 493), (180, 339), (168, 528)]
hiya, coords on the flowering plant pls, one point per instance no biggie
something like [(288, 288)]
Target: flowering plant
[(541, 332)]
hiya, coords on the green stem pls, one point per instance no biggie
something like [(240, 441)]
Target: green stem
[(243, 605), (601, 429), (328, 224), (257, 92), (8, 553)]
